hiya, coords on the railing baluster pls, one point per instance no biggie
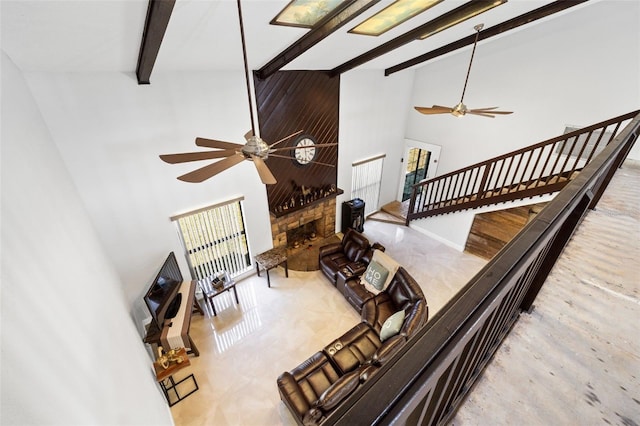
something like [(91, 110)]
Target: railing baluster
[(535, 166), (503, 179), (515, 173), (454, 195), (434, 198), (469, 180), (491, 184), (453, 190), (584, 147), (551, 172), (521, 181), (488, 169), (566, 160)]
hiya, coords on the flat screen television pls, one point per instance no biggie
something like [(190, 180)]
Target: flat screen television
[(163, 298)]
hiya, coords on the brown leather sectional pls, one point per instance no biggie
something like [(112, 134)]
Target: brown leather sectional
[(318, 385), (343, 263)]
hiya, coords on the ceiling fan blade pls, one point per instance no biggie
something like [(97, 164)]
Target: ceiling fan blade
[(286, 137), (484, 109), (483, 114), (196, 156), (265, 174), (212, 143), (248, 135), (490, 110), (436, 109), (210, 170), (290, 148), (313, 161)]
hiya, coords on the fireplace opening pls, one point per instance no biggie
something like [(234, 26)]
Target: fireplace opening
[(304, 234)]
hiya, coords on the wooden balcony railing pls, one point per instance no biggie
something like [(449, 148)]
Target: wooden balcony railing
[(543, 168), (426, 381)]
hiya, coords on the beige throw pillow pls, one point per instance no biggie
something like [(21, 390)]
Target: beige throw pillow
[(384, 260)]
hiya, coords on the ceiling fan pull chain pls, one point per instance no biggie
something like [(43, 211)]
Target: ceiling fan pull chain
[(475, 43)]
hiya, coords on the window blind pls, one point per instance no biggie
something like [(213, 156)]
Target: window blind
[(366, 179), (214, 239)]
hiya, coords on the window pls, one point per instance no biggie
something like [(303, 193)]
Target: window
[(366, 179), (214, 239), (417, 165), (595, 141)]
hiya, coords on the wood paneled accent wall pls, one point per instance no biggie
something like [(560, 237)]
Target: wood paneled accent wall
[(289, 101)]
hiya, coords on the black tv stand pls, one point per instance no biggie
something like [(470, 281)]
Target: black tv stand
[(156, 333)]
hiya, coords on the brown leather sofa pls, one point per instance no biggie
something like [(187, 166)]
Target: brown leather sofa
[(354, 253), (322, 382)]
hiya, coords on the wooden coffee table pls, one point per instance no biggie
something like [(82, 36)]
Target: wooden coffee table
[(270, 259)]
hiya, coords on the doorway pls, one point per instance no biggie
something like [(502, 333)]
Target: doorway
[(420, 163)]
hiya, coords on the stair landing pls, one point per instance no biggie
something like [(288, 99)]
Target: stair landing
[(393, 212)]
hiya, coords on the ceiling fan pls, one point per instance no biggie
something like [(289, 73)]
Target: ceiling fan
[(255, 149), (461, 109)]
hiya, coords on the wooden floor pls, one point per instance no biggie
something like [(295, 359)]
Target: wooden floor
[(393, 212)]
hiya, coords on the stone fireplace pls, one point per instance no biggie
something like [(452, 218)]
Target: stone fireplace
[(317, 218)]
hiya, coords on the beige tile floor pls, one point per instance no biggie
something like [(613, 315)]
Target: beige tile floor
[(247, 346)]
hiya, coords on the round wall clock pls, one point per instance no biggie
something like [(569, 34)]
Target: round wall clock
[(305, 150)]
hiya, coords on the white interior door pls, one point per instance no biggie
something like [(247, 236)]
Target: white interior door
[(420, 162)]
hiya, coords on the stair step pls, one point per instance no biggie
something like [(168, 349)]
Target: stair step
[(382, 216), (396, 209)]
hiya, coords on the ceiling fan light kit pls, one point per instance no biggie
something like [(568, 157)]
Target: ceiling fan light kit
[(460, 110), (255, 149)]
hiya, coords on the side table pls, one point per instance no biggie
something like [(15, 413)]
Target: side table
[(209, 291), (166, 375), (270, 259)]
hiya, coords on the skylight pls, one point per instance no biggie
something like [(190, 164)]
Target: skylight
[(393, 15), (307, 13)]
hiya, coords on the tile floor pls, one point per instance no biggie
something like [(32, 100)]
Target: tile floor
[(247, 346)]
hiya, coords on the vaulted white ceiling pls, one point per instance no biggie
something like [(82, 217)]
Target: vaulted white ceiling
[(97, 35)]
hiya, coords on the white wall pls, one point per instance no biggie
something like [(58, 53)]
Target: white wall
[(110, 131), (70, 353), (578, 68), (372, 121), (453, 229)]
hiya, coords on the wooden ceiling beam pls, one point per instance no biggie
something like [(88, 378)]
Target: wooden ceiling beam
[(525, 18), (314, 36), (401, 40), (414, 34), (158, 14)]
